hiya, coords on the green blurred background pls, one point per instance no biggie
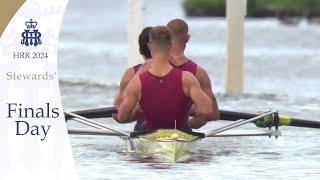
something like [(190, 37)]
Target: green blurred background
[(256, 8)]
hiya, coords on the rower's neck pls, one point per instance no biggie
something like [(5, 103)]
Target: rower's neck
[(160, 64), (177, 53), (177, 50), (147, 61), (179, 60)]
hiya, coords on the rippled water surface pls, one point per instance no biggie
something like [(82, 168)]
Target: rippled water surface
[(281, 68)]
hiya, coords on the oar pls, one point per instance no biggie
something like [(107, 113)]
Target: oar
[(224, 115), (283, 119), (94, 113)]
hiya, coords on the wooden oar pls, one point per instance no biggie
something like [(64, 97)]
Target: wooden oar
[(224, 115)]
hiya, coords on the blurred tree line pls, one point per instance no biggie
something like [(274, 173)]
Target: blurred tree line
[(256, 8)]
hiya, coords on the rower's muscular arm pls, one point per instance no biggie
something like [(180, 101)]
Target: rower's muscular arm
[(127, 109), (202, 102), (125, 80), (205, 84)]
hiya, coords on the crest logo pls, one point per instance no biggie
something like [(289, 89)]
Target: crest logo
[(31, 35)]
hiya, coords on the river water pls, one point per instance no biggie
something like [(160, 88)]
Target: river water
[(281, 68)]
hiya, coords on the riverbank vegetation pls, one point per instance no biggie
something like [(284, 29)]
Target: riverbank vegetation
[(256, 8)]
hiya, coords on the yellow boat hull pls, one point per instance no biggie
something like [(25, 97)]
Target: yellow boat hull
[(173, 145)]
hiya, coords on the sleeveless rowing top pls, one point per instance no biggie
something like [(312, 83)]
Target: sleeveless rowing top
[(163, 100), (189, 66), (136, 68)]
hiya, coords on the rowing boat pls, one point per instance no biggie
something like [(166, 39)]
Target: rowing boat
[(171, 144)]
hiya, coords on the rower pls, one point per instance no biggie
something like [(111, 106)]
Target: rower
[(180, 37), (163, 92), (137, 69)]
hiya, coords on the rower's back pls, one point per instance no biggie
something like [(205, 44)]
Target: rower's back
[(163, 98), (164, 101)]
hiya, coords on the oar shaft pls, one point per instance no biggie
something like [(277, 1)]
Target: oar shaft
[(107, 112), (224, 115), (233, 116), (284, 120), (305, 123), (94, 113)]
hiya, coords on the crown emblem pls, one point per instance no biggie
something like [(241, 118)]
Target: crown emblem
[(31, 36), (31, 24)]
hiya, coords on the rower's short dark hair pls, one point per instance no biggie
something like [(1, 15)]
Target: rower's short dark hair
[(161, 36), (143, 42), (178, 28)]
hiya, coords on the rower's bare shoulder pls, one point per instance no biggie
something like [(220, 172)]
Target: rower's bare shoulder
[(134, 87), (188, 77), (203, 77), (135, 82), (126, 78), (144, 67), (129, 72), (201, 72)]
